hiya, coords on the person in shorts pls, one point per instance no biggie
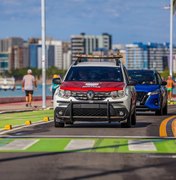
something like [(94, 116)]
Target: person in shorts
[(28, 84), (170, 85)]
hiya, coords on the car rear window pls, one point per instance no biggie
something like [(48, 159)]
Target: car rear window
[(94, 74)]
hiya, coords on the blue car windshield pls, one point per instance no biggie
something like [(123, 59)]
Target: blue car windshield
[(142, 76), (94, 74)]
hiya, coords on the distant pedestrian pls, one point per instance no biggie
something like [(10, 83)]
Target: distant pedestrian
[(28, 84), (55, 84), (170, 86)]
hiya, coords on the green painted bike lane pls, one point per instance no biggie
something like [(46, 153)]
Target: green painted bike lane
[(96, 145)]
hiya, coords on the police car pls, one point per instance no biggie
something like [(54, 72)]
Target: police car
[(95, 88)]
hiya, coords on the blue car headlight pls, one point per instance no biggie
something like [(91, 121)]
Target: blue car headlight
[(154, 92)]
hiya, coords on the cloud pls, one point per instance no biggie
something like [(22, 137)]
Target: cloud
[(19, 10)]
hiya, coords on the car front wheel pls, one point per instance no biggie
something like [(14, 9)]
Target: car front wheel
[(58, 122), (127, 124), (165, 110), (133, 118)]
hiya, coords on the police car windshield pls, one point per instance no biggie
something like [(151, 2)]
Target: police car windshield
[(142, 76), (94, 74)]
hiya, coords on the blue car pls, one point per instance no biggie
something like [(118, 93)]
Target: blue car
[(151, 91)]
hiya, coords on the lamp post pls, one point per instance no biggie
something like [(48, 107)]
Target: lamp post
[(43, 54), (171, 40), (170, 7)]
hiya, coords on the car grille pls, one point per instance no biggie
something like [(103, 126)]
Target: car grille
[(94, 110), (142, 97), (90, 112), (97, 95)]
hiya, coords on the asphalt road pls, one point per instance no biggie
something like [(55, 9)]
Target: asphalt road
[(90, 165)]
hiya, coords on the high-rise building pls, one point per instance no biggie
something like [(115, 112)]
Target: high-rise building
[(34, 55), (8, 43), (66, 50), (136, 56), (4, 62), (158, 56), (19, 57), (54, 53), (87, 44), (6, 48)]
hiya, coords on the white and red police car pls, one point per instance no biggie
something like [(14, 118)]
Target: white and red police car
[(95, 88)]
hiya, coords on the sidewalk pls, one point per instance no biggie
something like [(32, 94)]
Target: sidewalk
[(21, 106)]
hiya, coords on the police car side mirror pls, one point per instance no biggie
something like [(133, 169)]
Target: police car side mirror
[(132, 83), (57, 81)]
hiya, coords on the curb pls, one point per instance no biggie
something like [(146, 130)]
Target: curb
[(24, 110), (3, 131)]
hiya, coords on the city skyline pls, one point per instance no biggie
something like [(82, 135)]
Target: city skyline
[(127, 21)]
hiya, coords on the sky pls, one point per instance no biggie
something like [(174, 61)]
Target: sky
[(127, 21)]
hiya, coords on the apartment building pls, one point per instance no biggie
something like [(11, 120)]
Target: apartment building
[(87, 44), (4, 62), (7, 45), (137, 56)]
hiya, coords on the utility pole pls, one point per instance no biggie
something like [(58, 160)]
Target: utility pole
[(171, 40), (43, 54)]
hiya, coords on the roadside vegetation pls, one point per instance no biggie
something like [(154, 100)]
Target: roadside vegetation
[(19, 73), (20, 118)]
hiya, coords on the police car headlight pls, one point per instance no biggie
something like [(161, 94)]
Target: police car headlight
[(154, 92), (63, 93), (117, 94)]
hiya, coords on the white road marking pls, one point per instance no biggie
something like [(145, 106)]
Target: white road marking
[(19, 144), (84, 136), (141, 145), (79, 144), (162, 156)]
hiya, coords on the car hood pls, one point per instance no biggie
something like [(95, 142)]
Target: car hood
[(95, 86), (146, 88)]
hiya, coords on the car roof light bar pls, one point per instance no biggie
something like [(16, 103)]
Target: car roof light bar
[(80, 56)]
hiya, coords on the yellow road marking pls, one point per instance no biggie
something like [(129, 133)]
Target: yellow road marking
[(162, 130), (174, 128)]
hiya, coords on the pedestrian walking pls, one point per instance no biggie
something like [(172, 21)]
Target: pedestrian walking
[(28, 84), (170, 86)]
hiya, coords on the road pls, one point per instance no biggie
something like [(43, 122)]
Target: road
[(89, 164)]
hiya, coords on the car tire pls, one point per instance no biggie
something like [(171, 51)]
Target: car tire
[(58, 122), (159, 112), (165, 110), (133, 118), (127, 124)]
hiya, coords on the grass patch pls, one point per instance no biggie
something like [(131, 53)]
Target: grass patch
[(20, 118)]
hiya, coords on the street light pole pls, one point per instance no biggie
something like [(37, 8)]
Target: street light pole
[(171, 40), (43, 54)]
